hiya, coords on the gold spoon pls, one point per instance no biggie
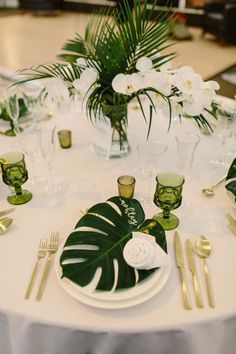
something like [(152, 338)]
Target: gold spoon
[(4, 224), (210, 190), (203, 249)]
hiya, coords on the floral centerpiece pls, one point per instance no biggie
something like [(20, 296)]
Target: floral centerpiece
[(117, 62)]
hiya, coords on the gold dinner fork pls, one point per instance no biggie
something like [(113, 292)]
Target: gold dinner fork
[(52, 248), (40, 254)]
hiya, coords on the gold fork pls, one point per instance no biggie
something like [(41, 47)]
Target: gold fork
[(52, 248), (40, 254)]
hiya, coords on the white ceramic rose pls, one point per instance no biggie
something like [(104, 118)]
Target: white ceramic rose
[(142, 252)]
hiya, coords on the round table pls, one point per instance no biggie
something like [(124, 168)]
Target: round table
[(58, 324)]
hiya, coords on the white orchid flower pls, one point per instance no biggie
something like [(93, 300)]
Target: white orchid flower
[(86, 83), (57, 93), (209, 88), (81, 62), (159, 81), (186, 80), (176, 108), (166, 66), (193, 105), (144, 64), (127, 84)]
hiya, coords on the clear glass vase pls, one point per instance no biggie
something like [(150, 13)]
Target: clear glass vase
[(110, 138)]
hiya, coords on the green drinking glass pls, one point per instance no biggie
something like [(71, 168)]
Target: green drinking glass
[(168, 196), (14, 174)]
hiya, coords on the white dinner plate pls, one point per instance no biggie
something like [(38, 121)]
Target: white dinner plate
[(231, 198), (140, 293)]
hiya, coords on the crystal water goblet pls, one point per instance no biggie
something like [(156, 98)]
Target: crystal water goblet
[(150, 155), (168, 196), (187, 144), (14, 174)]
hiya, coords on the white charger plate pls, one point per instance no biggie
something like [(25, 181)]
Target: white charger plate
[(140, 293)]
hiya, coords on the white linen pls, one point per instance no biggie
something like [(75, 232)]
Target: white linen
[(61, 325)]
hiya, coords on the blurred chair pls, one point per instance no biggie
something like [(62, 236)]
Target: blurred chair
[(220, 19)]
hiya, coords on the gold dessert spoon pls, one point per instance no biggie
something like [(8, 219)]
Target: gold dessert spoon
[(203, 249), (209, 191)]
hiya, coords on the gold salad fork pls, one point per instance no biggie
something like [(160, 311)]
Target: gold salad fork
[(52, 248), (42, 250)]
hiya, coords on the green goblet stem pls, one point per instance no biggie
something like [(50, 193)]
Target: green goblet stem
[(166, 213)]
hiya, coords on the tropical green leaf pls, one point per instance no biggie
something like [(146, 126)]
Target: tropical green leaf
[(105, 229), (231, 186)]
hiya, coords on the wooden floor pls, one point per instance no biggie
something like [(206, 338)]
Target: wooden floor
[(27, 40)]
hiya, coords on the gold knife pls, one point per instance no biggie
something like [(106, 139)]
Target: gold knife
[(193, 270), (180, 265)]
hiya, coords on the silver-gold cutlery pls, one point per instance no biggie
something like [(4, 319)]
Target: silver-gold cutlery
[(180, 264), (231, 219), (5, 212), (203, 249), (232, 223), (52, 248), (5, 223), (232, 228), (41, 253), (193, 270), (210, 191)]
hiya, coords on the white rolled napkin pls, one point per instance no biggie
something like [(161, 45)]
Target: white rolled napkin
[(142, 252)]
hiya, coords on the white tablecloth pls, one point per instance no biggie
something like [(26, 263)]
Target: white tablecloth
[(59, 324)]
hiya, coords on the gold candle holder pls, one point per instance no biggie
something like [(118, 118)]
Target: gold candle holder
[(64, 138), (126, 185)]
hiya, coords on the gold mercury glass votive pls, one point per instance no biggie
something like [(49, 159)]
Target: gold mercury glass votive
[(126, 185), (64, 138)]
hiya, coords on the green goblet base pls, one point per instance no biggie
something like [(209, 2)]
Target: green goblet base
[(17, 199), (168, 224)]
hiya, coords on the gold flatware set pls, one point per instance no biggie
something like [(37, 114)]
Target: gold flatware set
[(5, 221), (232, 223), (45, 248), (203, 250)]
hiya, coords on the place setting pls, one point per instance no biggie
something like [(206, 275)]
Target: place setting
[(114, 235)]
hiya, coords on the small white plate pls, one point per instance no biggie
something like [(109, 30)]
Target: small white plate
[(231, 198)]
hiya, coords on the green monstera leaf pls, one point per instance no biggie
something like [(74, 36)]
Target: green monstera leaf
[(98, 241), (231, 186)]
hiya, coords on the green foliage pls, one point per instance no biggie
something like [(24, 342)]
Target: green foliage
[(231, 186), (112, 46), (108, 226), (23, 111)]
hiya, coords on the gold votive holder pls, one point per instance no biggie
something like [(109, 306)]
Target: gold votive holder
[(64, 138), (126, 185)]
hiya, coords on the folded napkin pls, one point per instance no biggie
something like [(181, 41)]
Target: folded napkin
[(142, 252)]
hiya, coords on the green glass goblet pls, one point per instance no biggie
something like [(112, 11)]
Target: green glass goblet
[(168, 196), (14, 174)]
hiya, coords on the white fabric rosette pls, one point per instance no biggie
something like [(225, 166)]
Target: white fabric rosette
[(142, 252)]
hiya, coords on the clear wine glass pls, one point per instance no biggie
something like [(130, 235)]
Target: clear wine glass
[(47, 144), (150, 154), (187, 144), (27, 140), (13, 109)]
